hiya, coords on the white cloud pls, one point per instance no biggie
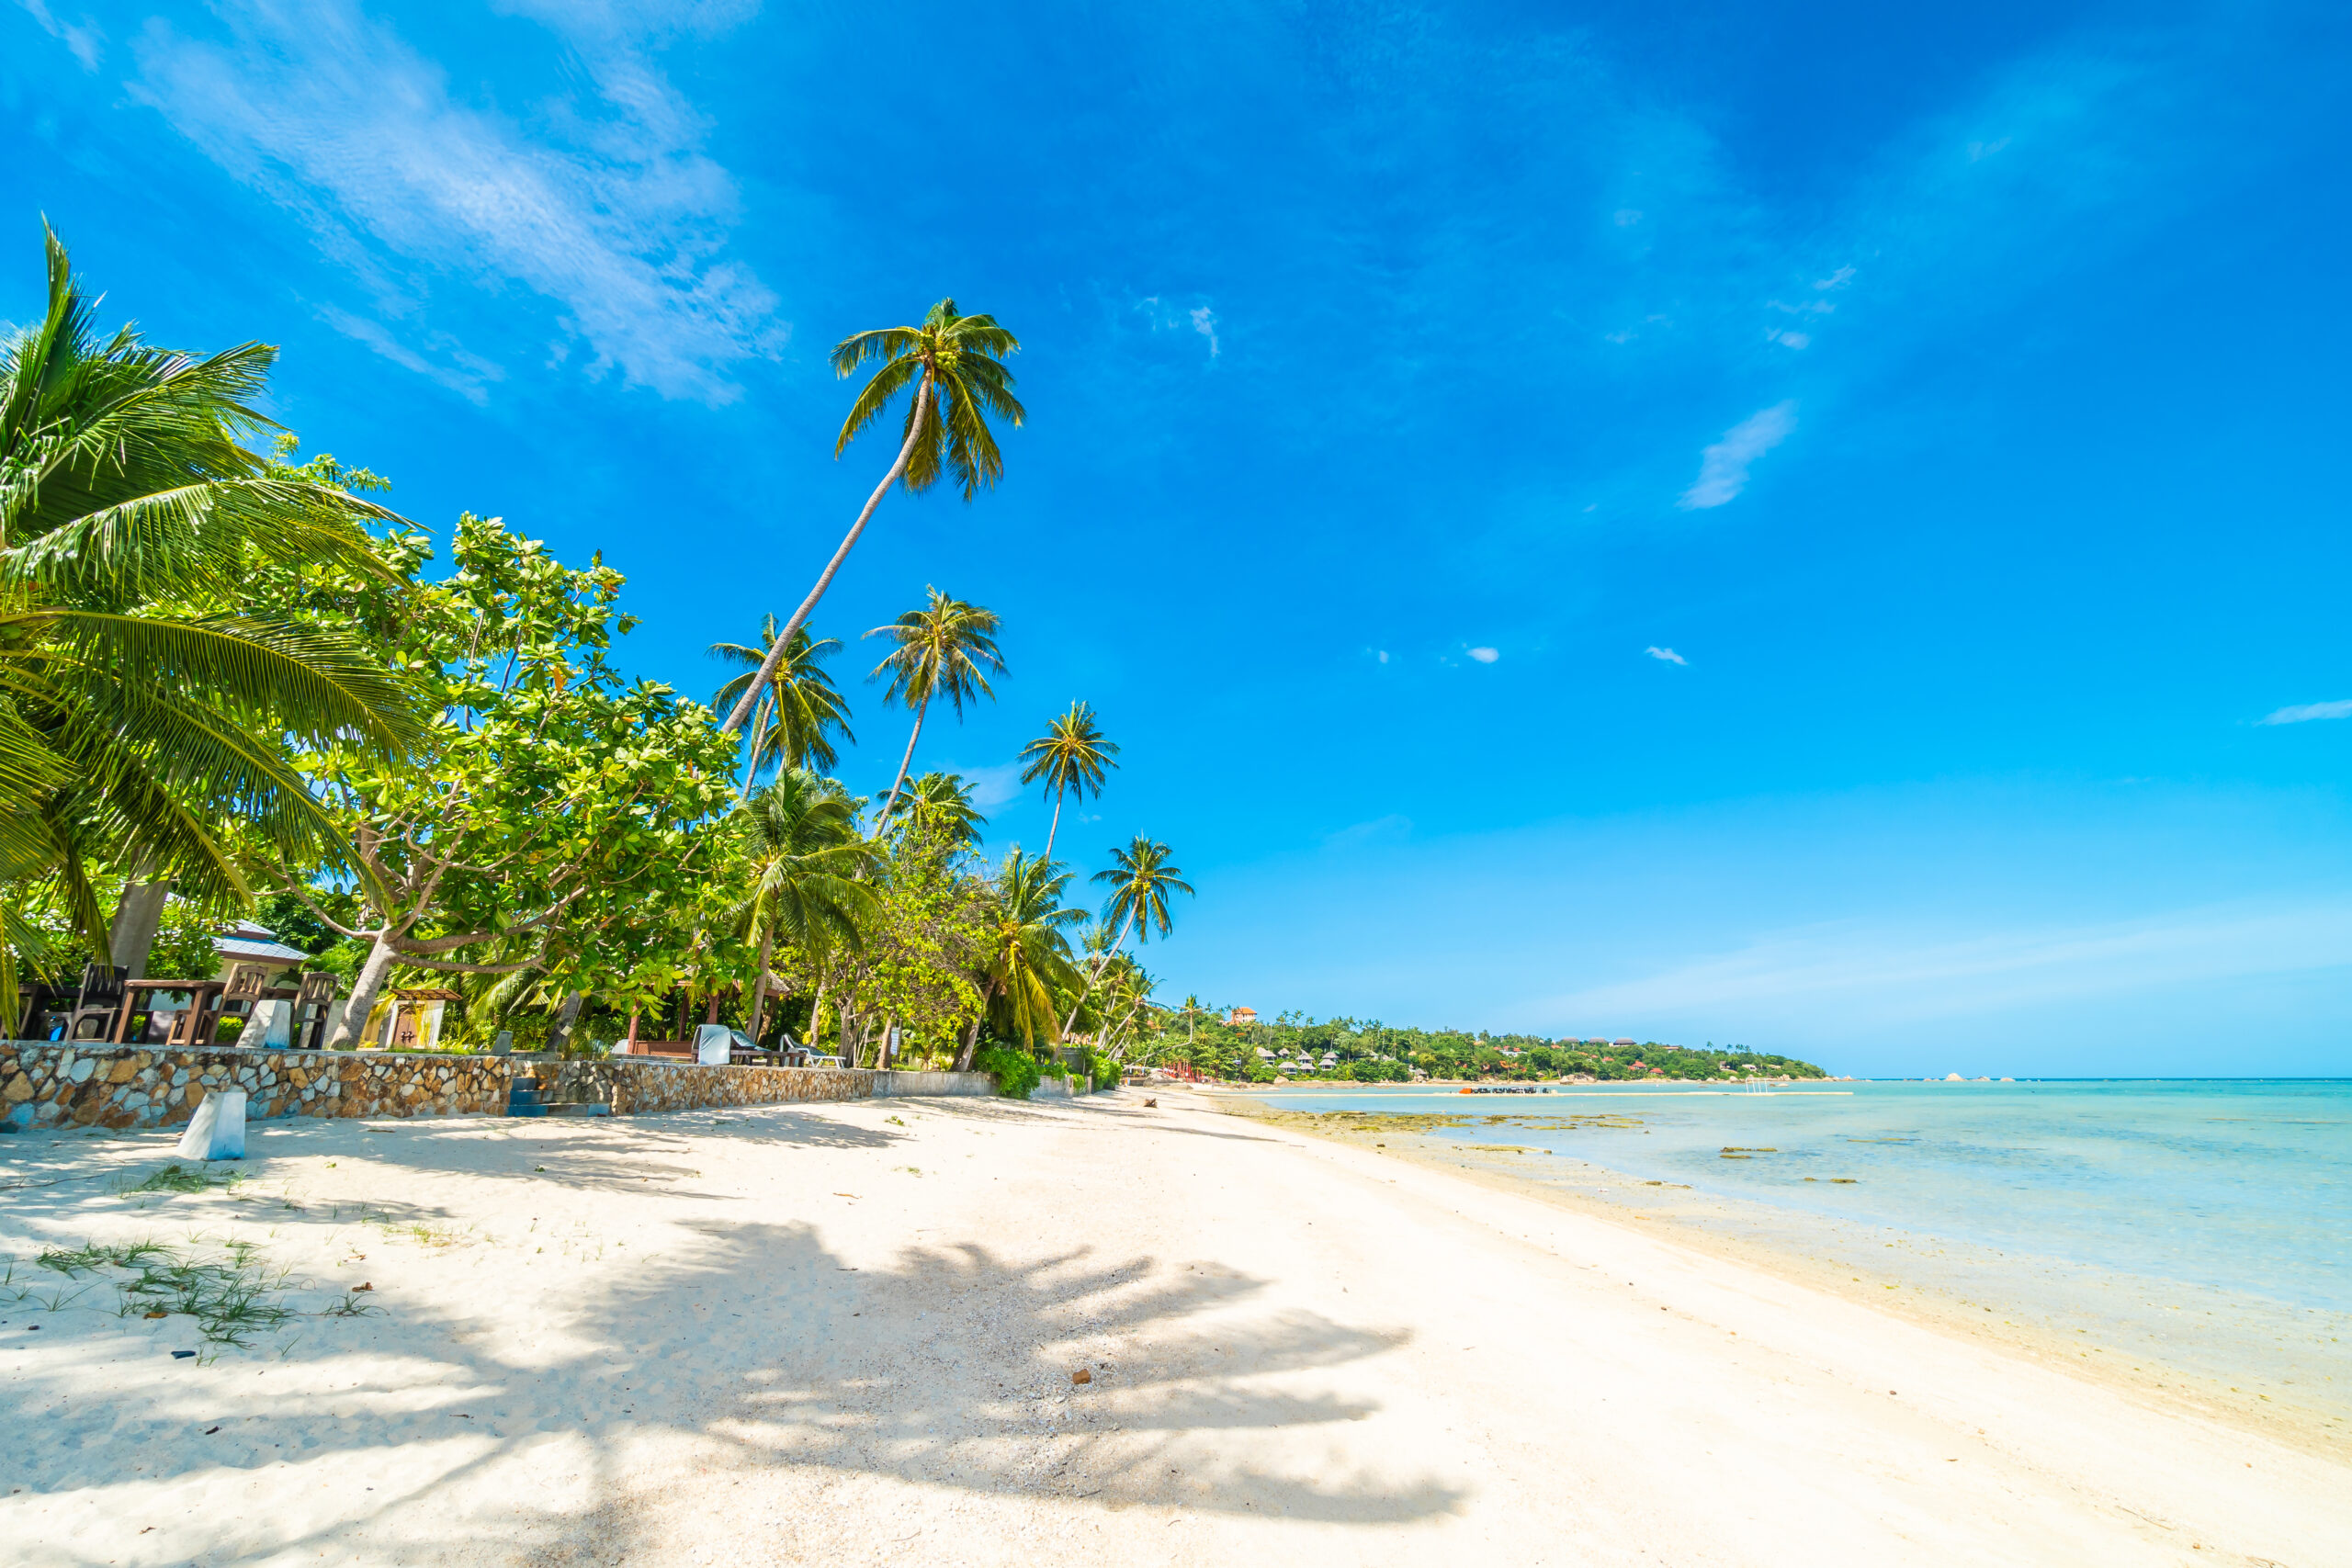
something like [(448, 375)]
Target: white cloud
[(1804, 307), (1391, 829), (1788, 339), (1666, 655), (2306, 712), (1205, 323), (468, 375), (1889, 979), (1485, 655), (1383, 656), (1722, 467), (1166, 316), (81, 40), (1979, 151), (1838, 279), (992, 788), (617, 217)]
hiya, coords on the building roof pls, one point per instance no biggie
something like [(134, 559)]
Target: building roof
[(256, 950)]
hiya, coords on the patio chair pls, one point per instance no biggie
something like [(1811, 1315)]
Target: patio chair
[(312, 1002), (100, 1001)]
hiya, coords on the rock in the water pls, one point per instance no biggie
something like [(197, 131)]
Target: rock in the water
[(218, 1130)]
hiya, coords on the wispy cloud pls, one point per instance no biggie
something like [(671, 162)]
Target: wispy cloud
[(1666, 655), (467, 375), (2306, 712), (614, 213), (1722, 467), (1391, 829), (1205, 323), (1166, 316), (994, 786), (1885, 981), (1483, 655), (81, 40)]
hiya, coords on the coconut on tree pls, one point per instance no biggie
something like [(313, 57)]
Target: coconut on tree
[(947, 648), (1071, 758), (796, 716), (954, 363), (1141, 882), (938, 807), (804, 861)]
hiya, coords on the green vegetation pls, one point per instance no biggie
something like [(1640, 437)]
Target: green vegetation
[(237, 685), (1350, 1050), (246, 681)]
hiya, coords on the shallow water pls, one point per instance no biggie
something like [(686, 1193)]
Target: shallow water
[(2207, 1225)]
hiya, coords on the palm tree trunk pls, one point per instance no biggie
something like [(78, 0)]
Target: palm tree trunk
[(366, 986), (883, 821), (759, 981), (137, 917), (971, 1045), (1095, 973), (567, 1015), (807, 606), (1054, 828), (817, 1012)]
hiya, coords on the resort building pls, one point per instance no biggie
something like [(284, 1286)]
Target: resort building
[(1242, 1017)]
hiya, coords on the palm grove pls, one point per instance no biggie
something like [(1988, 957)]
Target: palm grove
[(234, 682)]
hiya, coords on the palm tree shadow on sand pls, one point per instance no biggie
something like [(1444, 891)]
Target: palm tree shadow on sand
[(954, 1367)]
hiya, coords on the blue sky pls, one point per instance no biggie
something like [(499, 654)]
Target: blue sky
[(1814, 527)]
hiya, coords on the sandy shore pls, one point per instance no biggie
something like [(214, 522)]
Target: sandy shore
[(847, 1333)]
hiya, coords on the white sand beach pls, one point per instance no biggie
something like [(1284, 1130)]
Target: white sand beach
[(847, 1333)]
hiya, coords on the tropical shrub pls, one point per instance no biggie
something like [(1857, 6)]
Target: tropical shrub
[(1016, 1072)]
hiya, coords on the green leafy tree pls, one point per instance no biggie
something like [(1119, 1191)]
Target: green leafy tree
[(1071, 758), (556, 818), (947, 648), (798, 712), (956, 365)]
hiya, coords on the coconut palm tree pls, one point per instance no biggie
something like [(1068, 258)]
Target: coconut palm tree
[(947, 648), (1071, 758), (1142, 880), (804, 861), (1027, 952), (956, 364), (143, 709), (939, 807), (795, 718)]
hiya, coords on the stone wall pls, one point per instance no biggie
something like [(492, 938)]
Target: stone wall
[(634, 1087), (899, 1081), (68, 1085)]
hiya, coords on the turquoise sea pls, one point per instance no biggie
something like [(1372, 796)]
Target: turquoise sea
[(2201, 1225)]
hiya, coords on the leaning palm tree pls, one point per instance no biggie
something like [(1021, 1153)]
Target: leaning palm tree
[(1028, 957), (1142, 880), (793, 718), (805, 863), (1072, 757), (938, 807), (947, 648), (956, 364), (145, 711)]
